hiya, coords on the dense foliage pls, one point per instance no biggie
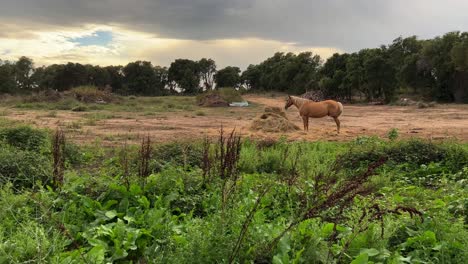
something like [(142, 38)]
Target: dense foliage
[(433, 69), (367, 201)]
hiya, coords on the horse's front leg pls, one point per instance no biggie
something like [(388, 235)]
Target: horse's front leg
[(305, 120)]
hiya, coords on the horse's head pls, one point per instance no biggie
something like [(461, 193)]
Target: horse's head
[(289, 102)]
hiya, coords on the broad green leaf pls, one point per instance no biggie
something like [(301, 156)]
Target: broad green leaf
[(297, 256), (437, 247), (97, 254), (135, 190), (144, 202), (111, 214), (277, 260), (129, 219), (109, 204), (370, 252), (361, 259), (327, 229), (284, 245)]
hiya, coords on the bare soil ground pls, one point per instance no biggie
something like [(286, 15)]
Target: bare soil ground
[(440, 122)]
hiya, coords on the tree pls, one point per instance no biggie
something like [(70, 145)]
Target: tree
[(24, 69), (47, 77), (304, 72), (355, 74), (98, 76), (228, 77), (7, 77), (251, 77), (161, 77), (401, 48), (380, 75), (141, 79), (284, 72), (436, 53), (116, 78), (459, 56), (459, 53), (334, 84), (185, 74), (207, 69), (415, 73)]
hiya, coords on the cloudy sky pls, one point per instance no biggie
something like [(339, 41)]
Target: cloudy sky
[(232, 32)]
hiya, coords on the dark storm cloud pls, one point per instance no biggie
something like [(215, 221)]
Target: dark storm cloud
[(344, 24)]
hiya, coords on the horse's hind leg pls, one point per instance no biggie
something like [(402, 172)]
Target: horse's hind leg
[(337, 121)]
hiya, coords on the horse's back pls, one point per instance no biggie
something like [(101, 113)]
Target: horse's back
[(323, 108)]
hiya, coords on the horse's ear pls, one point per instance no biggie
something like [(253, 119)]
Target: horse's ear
[(289, 97)]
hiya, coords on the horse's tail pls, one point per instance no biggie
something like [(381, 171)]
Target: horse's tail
[(340, 106)]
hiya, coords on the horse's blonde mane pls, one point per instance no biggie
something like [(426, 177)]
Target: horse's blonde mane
[(299, 101)]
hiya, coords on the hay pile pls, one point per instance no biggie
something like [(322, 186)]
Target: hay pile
[(273, 119)]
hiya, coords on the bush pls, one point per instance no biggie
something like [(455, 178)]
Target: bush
[(177, 154), (413, 152), (456, 158), (200, 113), (392, 134), (73, 154), (24, 138), (416, 152), (80, 108), (67, 103), (23, 168)]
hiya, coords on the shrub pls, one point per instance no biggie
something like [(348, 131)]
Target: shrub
[(23, 168), (25, 234), (177, 154), (416, 152), (65, 104), (413, 152), (456, 158), (392, 134), (24, 138), (80, 108)]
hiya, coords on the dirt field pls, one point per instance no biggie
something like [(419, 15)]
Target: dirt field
[(440, 122)]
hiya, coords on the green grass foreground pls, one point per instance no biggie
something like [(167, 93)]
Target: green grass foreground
[(232, 201)]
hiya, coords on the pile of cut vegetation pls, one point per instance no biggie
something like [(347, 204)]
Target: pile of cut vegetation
[(315, 95), (410, 102), (211, 99), (273, 119), (48, 95), (220, 97), (91, 94)]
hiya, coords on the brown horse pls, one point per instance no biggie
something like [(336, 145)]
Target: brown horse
[(308, 108)]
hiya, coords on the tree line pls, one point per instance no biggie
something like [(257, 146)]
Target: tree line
[(433, 69)]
